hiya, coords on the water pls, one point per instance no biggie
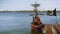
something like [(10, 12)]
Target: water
[(19, 22)]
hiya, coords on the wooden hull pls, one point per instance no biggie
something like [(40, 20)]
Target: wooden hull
[(37, 28), (36, 24)]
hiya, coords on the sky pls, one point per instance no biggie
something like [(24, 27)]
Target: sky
[(26, 4)]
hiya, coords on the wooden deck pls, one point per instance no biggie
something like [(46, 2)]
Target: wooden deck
[(49, 29)]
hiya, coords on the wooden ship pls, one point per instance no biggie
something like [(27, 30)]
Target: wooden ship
[(38, 26), (36, 23)]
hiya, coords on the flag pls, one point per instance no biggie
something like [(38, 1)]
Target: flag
[(51, 13), (54, 12)]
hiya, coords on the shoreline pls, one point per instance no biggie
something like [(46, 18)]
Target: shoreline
[(25, 11)]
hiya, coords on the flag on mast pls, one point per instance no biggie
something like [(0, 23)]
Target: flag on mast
[(51, 13)]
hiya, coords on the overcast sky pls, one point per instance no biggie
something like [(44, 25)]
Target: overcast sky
[(26, 4)]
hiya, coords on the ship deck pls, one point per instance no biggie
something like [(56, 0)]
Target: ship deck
[(49, 29)]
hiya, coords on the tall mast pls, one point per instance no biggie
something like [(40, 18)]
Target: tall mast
[(35, 8)]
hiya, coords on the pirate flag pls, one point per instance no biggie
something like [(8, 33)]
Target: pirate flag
[(51, 13)]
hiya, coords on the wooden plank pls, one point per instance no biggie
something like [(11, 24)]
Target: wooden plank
[(48, 29)]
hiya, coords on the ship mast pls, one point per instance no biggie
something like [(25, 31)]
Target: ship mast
[(35, 8)]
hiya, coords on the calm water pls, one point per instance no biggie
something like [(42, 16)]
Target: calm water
[(19, 22)]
